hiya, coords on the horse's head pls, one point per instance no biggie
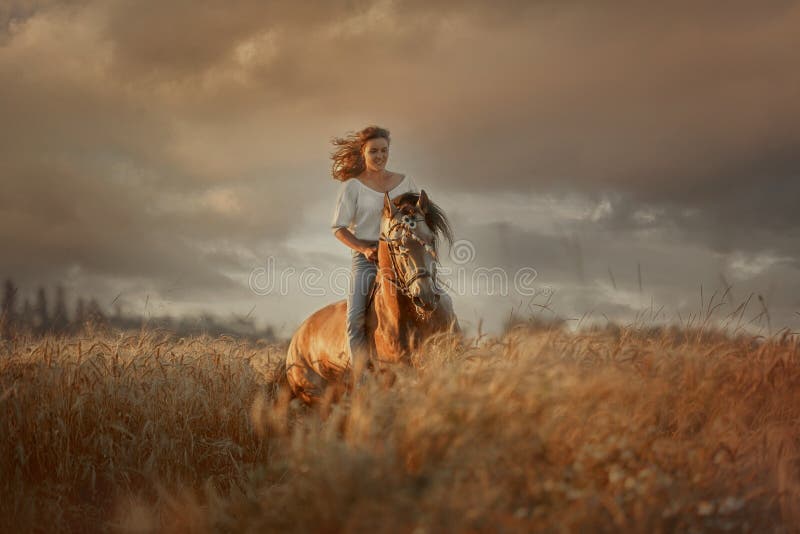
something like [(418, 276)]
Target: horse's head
[(409, 226)]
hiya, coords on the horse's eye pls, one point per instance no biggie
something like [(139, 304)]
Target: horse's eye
[(405, 219), (412, 224)]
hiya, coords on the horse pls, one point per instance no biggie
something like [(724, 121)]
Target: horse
[(406, 306)]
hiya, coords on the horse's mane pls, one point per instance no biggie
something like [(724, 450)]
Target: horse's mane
[(435, 218)]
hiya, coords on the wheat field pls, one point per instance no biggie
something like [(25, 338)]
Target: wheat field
[(611, 430)]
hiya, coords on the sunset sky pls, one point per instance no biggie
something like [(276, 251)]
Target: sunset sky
[(159, 152)]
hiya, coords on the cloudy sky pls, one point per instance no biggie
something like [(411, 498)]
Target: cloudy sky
[(164, 152)]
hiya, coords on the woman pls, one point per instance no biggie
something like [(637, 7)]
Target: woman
[(360, 163)]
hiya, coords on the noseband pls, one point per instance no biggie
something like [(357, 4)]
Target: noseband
[(395, 249)]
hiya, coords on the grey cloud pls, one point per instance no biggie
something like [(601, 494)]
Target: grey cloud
[(152, 141), (595, 269)]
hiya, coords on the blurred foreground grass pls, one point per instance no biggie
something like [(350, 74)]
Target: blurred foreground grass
[(599, 431)]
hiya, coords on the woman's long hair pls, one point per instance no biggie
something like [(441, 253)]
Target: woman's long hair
[(348, 158)]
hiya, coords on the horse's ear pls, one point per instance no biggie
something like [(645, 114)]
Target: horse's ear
[(423, 202), (388, 207)]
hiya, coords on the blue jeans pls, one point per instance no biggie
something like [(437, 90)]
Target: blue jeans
[(363, 275)]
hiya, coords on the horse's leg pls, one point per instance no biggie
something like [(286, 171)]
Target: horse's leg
[(382, 369), (305, 383)]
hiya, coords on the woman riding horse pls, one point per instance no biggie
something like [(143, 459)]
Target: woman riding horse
[(383, 219)]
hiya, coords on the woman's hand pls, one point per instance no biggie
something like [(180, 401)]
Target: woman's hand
[(368, 248), (370, 252)]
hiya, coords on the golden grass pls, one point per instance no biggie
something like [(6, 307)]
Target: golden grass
[(545, 430)]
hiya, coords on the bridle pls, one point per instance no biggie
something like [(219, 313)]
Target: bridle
[(406, 225)]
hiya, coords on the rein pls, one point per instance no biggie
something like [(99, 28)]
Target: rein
[(395, 250)]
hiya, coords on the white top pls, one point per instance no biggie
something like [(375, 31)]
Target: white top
[(359, 207)]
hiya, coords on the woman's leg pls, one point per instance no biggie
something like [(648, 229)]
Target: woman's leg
[(363, 275)]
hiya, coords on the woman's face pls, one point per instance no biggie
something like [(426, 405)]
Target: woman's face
[(376, 153)]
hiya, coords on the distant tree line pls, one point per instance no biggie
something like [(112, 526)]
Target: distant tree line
[(38, 317)]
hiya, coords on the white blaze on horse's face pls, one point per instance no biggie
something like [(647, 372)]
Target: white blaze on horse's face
[(418, 261)]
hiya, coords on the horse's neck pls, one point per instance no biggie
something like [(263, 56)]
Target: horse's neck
[(399, 329), (388, 295), (386, 272)]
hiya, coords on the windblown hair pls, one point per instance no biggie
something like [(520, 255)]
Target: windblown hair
[(348, 158), (435, 218)]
